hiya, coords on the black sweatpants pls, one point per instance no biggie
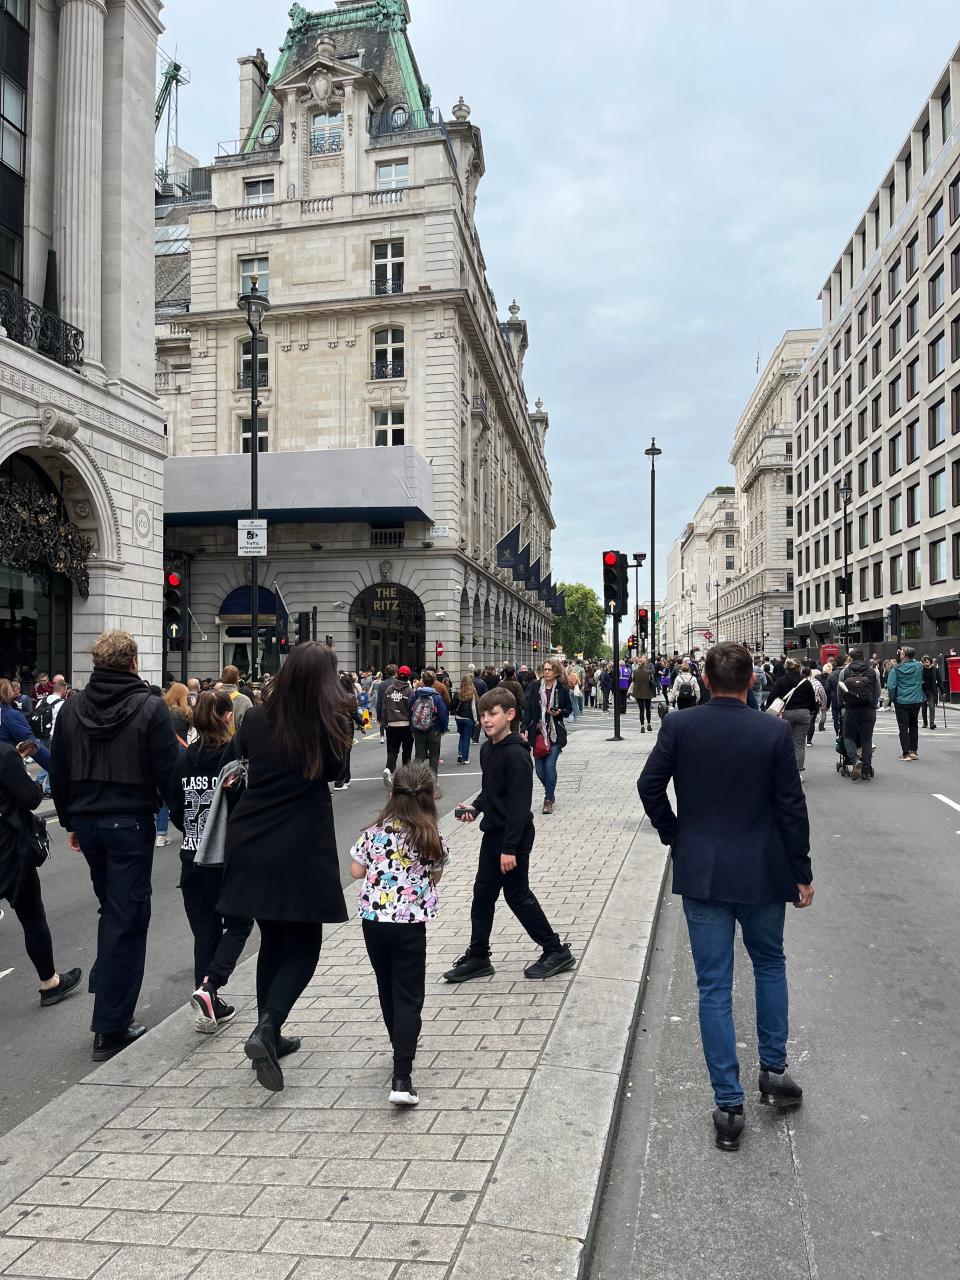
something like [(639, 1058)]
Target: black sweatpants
[(643, 704), (398, 737), (217, 940), (516, 890), (28, 908), (908, 714), (398, 954), (289, 952)]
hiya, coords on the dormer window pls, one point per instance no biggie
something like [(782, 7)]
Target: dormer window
[(400, 116), (326, 137)]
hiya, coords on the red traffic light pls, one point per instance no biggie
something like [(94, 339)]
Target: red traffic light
[(174, 579), (611, 558), (641, 613)]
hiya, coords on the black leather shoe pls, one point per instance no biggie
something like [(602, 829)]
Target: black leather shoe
[(68, 982), (285, 1045), (261, 1049), (729, 1126), (779, 1090), (107, 1043)]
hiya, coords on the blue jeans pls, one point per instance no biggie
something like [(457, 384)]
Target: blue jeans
[(547, 772), (43, 777), (712, 926), (465, 729)]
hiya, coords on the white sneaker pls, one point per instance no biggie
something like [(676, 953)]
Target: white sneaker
[(162, 840), (387, 779), (340, 786)]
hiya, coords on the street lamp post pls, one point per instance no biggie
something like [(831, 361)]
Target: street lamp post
[(716, 587), (653, 453), (254, 305), (846, 493), (638, 559)]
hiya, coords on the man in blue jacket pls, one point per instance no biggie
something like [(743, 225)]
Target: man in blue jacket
[(905, 686), (740, 853), (428, 720)]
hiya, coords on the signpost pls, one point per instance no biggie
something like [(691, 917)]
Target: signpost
[(439, 653), (252, 538)]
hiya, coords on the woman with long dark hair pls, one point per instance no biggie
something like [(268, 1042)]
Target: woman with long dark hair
[(548, 705), (355, 718), (281, 864)]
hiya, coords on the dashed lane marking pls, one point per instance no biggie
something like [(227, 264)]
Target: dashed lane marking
[(946, 800), (5, 972)]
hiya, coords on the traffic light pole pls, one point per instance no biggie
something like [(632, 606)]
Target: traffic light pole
[(616, 680), (185, 642)]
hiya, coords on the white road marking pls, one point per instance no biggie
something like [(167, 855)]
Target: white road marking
[(5, 972), (946, 800)]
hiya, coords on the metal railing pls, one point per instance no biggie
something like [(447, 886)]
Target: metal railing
[(245, 378), (31, 326), (397, 120), (386, 369), (480, 405), (326, 144), (381, 287)]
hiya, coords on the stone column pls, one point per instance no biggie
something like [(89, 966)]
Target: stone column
[(78, 167)]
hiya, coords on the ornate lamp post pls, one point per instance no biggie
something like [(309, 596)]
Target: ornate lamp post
[(254, 306), (653, 453)]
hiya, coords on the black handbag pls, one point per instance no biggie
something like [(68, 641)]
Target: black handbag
[(30, 835)]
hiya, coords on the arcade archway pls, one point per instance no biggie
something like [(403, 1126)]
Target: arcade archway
[(390, 625)]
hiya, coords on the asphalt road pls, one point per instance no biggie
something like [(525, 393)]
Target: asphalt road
[(863, 1183), (44, 1051)]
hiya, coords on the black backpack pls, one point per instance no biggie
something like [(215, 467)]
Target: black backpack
[(41, 718), (860, 690), (686, 694)]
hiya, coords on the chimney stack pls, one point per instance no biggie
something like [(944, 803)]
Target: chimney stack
[(254, 74)]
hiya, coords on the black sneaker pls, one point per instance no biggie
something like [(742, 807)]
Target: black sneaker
[(68, 982), (728, 1124), (779, 1089), (402, 1092), (550, 963), (224, 1012), (470, 966), (205, 1001)]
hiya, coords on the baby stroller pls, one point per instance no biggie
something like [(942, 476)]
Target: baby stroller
[(844, 763)]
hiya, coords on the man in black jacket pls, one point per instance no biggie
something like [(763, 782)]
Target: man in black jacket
[(740, 853), (112, 755), (508, 832)]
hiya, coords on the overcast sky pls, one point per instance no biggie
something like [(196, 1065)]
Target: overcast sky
[(668, 185)]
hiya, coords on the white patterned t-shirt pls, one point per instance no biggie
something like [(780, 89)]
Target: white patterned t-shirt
[(397, 888)]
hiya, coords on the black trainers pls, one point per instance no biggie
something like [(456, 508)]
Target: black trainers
[(402, 1092), (550, 963), (779, 1089), (205, 1000), (728, 1126), (68, 982), (470, 966)]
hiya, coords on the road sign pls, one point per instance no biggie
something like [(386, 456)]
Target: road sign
[(439, 648), (251, 537), (440, 531), (708, 635)]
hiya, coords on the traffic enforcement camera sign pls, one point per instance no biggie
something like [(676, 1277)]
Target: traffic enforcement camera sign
[(251, 537)]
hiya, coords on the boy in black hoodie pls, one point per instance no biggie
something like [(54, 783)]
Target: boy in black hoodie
[(508, 832)]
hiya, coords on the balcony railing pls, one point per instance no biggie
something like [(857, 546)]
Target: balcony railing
[(381, 287), (326, 144), (480, 405), (397, 120), (386, 369), (392, 196), (386, 537), (245, 378), (172, 380), (31, 326)]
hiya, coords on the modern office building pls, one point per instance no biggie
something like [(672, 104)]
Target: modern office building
[(81, 437), (877, 436), (395, 443), (757, 607)]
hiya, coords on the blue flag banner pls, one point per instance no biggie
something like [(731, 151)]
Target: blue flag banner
[(522, 566), (532, 582), (508, 549), (546, 590), (559, 606)]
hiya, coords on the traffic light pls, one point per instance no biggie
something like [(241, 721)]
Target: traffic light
[(283, 635), (303, 627), (614, 583), (631, 642), (536, 646), (174, 606), (643, 623)]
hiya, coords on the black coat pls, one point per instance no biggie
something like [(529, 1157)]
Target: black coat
[(18, 793), (741, 832), (531, 712), (281, 853)]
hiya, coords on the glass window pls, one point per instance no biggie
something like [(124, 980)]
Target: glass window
[(258, 191), (247, 362), (938, 492), (729, 562), (896, 513), (896, 279), (913, 569), (19, 9), (937, 420), (388, 267), (878, 578), (913, 378), (895, 337), (955, 482), (875, 305), (935, 289), (955, 271), (907, 176), (11, 260), (896, 394), (896, 574), (862, 476), (326, 137), (935, 226), (936, 356), (913, 505), (875, 413), (955, 199), (955, 410), (388, 427), (863, 530), (13, 111), (864, 582), (259, 267), (877, 354), (862, 374), (392, 175), (913, 317), (862, 323), (877, 519), (913, 441), (913, 256), (938, 560), (876, 467), (388, 353), (861, 426), (946, 113), (263, 434), (896, 453)]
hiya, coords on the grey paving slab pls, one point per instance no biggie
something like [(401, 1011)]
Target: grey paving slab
[(497, 1253), (452, 1208), (302, 1238), (120, 1193), (11, 1249), (221, 1232), (133, 1226), (61, 1222), (244, 1266), (60, 1260), (359, 1173), (358, 1205), (444, 1175), (146, 1262), (295, 1202), (59, 1191), (208, 1197), (593, 1028), (270, 1171), (420, 1243), (343, 1269)]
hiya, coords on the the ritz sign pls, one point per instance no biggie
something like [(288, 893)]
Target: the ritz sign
[(386, 599)]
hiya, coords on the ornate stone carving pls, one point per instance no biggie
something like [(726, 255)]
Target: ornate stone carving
[(461, 112), (386, 570), (142, 523), (57, 426), (291, 191)]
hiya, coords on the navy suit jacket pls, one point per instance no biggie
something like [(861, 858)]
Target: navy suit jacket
[(741, 832)]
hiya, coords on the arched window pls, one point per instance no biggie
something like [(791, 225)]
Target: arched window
[(326, 137), (388, 359), (400, 116)]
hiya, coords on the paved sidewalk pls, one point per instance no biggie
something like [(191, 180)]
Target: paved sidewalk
[(170, 1162)]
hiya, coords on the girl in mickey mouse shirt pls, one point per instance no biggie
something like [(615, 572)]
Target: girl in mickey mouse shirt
[(400, 859)]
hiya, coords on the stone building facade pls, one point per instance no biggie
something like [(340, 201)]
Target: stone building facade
[(878, 407), (707, 555), (81, 436), (757, 607), (396, 446)]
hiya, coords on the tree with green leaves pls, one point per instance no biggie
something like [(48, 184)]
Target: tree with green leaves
[(581, 630)]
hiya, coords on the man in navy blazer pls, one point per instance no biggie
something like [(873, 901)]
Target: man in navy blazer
[(740, 840)]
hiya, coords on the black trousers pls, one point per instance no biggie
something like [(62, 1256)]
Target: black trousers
[(289, 951), (519, 896), (344, 774), (930, 703), (644, 706), (622, 695), (427, 745), (398, 954), (28, 908), (119, 853), (217, 940), (858, 726), (908, 713), (398, 737), (606, 699)]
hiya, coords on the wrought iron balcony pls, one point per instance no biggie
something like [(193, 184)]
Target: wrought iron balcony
[(31, 326), (398, 120), (326, 144), (381, 287), (245, 378), (480, 405), (386, 369)]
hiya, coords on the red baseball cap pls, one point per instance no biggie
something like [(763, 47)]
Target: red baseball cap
[(403, 671)]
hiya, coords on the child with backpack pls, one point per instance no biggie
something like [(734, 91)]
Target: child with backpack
[(217, 940), (400, 859), (429, 718), (686, 688), (504, 803)]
